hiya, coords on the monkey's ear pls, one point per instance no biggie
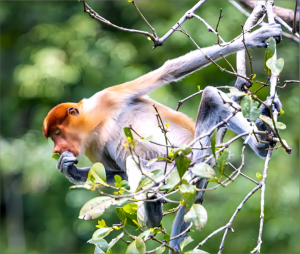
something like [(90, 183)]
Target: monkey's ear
[(73, 111)]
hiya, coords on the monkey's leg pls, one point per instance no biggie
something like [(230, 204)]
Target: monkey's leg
[(150, 213), (212, 111)]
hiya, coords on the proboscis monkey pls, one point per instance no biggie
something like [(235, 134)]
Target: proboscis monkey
[(94, 126)]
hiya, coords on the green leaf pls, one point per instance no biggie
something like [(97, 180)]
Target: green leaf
[(270, 51), (145, 234), (130, 208), (167, 237), (182, 164), (101, 233), (56, 156), (101, 224), (96, 175), (250, 108), (115, 240), (213, 143), (197, 215), (101, 246), (269, 122), (121, 214), (185, 149), (196, 251), (171, 181), (124, 184), (215, 179), (99, 170), (158, 159), (160, 250), (223, 160), (137, 246), (188, 195), (91, 204), (259, 176), (275, 65), (203, 170), (236, 92), (118, 180), (128, 133), (185, 242), (153, 174), (146, 139)]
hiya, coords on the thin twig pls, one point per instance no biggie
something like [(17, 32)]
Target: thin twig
[(221, 16), (96, 16), (183, 232), (228, 225), (209, 28), (279, 20), (153, 30)]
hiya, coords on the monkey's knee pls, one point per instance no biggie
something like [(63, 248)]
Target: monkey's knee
[(210, 92)]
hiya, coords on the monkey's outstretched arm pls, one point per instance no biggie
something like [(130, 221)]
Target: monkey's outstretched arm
[(176, 69)]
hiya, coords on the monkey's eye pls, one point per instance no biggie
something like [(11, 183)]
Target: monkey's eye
[(57, 132)]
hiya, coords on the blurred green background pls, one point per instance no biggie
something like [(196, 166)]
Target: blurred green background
[(51, 52)]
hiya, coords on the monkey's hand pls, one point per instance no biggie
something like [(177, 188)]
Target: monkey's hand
[(276, 107), (261, 126), (65, 165), (258, 38)]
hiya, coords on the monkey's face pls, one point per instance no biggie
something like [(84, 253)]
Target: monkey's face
[(65, 126)]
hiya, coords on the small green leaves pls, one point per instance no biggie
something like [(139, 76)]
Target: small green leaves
[(167, 237), (188, 195), (101, 233), (121, 184), (115, 240), (259, 176), (223, 160), (137, 246), (55, 156), (145, 139), (171, 182), (129, 136), (182, 164), (197, 215), (145, 180), (185, 242), (96, 176), (236, 92), (270, 51), (95, 207), (121, 214), (269, 122), (203, 170), (196, 251), (213, 143), (130, 208), (101, 224), (101, 246), (185, 149), (158, 159), (145, 234), (250, 108), (99, 171), (275, 65), (128, 215)]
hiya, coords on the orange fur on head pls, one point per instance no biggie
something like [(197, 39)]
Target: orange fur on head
[(56, 116)]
